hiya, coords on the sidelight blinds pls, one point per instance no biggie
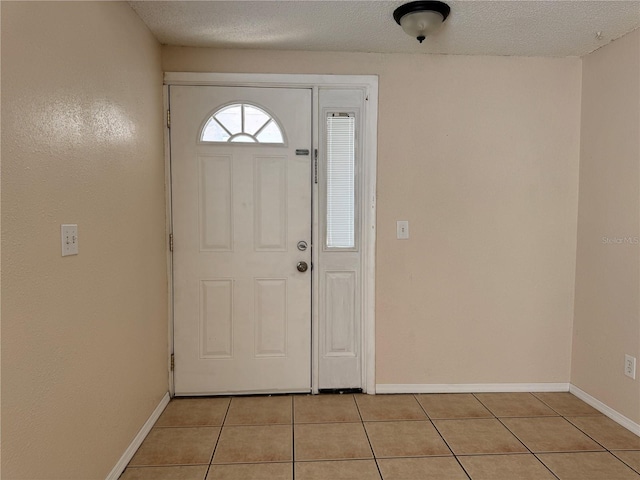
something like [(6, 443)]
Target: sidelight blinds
[(340, 185)]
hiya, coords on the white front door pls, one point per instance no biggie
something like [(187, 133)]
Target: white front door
[(241, 204)]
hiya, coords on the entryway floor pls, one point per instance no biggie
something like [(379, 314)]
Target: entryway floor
[(483, 436)]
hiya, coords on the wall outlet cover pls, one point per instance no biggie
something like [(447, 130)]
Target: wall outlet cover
[(69, 234), (630, 366)]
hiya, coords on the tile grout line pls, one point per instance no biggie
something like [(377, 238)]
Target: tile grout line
[(585, 433), (573, 424), (224, 419), (618, 458), (509, 430), (564, 417), (530, 451), (293, 438), (576, 426), (442, 437), (541, 400), (373, 454), (606, 450), (502, 423)]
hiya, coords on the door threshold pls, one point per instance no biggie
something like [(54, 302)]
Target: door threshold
[(334, 391), (243, 394)]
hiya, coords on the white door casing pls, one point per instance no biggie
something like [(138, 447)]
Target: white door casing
[(364, 268), (242, 310)]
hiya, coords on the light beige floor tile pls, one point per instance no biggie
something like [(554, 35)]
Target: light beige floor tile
[(630, 457), (331, 441), (192, 472), (389, 407), (478, 436), (325, 409), (550, 434), (566, 403), (255, 471), (429, 468), (259, 411), (514, 404), (607, 432), (505, 467), (255, 444), (452, 405), (587, 466), (405, 439), (337, 470), (194, 412), (176, 446)]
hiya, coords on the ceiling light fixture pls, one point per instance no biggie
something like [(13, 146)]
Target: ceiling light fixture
[(421, 18)]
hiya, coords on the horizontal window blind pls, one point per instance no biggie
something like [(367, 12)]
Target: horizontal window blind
[(340, 181)]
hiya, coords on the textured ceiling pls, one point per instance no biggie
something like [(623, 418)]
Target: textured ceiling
[(554, 28)]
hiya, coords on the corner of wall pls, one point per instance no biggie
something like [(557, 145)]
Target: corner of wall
[(607, 303)]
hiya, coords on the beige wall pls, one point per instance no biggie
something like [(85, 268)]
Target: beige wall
[(84, 344), (607, 305), (480, 154)]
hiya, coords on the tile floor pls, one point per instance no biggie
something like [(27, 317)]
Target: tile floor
[(484, 436)]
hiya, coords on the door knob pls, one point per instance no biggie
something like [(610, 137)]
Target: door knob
[(302, 266)]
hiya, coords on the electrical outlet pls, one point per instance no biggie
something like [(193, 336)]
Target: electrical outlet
[(69, 239), (630, 366)]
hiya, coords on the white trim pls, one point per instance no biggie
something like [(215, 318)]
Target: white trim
[(471, 387), (168, 232), (368, 236), (608, 411), (511, 387), (368, 225), (267, 79), (315, 252), (128, 454)]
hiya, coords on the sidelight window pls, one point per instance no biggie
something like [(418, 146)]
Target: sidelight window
[(341, 180)]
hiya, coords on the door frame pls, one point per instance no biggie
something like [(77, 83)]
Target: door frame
[(369, 84)]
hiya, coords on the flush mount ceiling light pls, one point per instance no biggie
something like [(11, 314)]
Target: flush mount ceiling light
[(421, 18)]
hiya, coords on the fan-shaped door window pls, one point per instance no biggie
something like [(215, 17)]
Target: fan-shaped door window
[(242, 123)]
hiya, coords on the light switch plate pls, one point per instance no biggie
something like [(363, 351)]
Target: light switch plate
[(402, 229), (69, 239)]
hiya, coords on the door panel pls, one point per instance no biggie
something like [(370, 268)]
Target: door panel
[(270, 182), (215, 203), (339, 332), (242, 311)]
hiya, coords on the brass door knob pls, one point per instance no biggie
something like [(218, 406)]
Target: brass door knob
[(302, 266)]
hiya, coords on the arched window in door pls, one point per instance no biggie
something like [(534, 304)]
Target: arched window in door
[(242, 123)]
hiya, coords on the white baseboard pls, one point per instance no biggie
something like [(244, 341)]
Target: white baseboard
[(386, 388), (138, 439), (470, 387), (608, 411)]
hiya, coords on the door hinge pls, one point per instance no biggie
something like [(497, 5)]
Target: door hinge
[(171, 242), (315, 166), (173, 362), (168, 118)]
